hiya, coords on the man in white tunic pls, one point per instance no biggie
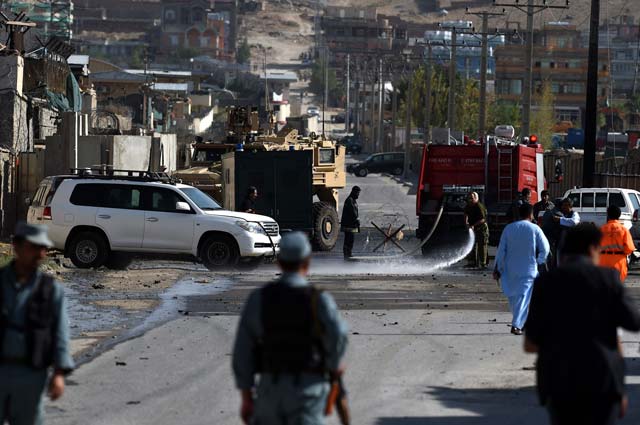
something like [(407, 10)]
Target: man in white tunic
[(522, 248)]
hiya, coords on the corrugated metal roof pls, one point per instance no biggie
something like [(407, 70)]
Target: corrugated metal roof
[(182, 87), (277, 75), (78, 60), (160, 72), (117, 76)]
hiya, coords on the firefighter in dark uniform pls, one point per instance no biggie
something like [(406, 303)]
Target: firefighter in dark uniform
[(34, 331), (292, 337), (350, 224)]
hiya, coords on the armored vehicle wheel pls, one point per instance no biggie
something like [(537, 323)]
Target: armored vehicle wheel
[(362, 172), (326, 226), (88, 250), (218, 252)]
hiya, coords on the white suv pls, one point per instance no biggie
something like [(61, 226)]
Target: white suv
[(592, 204), (95, 220)]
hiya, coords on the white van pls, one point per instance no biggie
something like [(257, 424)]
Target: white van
[(592, 204)]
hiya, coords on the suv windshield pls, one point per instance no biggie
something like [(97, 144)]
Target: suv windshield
[(201, 199)]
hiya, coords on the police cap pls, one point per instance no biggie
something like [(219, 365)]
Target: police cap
[(294, 247), (33, 233)]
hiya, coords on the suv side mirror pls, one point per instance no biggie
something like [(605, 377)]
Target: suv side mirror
[(183, 207)]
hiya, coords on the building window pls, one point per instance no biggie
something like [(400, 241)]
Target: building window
[(174, 40), (204, 42), (509, 87), (185, 16), (342, 13), (169, 16)]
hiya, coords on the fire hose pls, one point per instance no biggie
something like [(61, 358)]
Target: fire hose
[(411, 252)]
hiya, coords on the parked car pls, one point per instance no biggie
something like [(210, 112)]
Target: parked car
[(592, 204), (353, 144), (93, 219), (313, 111), (392, 162), (338, 118)]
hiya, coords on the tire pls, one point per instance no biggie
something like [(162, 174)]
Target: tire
[(219, 252), (249, 263), (326, 226), (362, 172), (88, 250), (119, 261), (396, 171)]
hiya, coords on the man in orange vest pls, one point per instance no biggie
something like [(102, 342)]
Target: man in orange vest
[(617, 243)]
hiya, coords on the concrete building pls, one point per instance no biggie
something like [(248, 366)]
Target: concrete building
[(468, 57), (559, 59), (361, 31), (619, 37), (188, 25)]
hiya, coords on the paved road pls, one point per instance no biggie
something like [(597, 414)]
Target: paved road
[(429, 349), (382, 199)]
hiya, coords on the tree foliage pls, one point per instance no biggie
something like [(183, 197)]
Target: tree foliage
[(243, 54), (543, 117), (317, 83)]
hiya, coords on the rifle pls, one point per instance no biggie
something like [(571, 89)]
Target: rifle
[(338, 397)]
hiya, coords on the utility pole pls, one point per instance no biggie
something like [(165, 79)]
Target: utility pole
[(451, 111), (356, 103), (482, 116), (527, 85), (427, 100), (407, 125), (372, 122), (394, 112), (591, 113), (348, 108), (380, 137), (325, 97), (363, 121), (528, 74)]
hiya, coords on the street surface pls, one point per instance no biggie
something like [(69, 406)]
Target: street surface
[(428, 345)]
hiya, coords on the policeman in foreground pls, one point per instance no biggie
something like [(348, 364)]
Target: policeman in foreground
[(34, 331), (292, 337)]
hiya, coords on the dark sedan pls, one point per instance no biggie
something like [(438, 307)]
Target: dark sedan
[(392, 162)]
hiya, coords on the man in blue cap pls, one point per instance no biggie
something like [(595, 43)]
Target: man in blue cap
[(292, 337), (34, 331)]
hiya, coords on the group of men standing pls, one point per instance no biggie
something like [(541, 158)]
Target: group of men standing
[(554, 270)]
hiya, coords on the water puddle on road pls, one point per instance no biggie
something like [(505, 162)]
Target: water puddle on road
[(173, 300), (402, 265)]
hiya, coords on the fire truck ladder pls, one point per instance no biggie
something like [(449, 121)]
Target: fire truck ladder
[(505, 175)]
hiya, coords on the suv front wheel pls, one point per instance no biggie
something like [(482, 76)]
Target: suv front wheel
[(219, 252), (88, 250)]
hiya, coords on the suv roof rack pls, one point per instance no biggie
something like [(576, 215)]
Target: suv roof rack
[(108, 173)]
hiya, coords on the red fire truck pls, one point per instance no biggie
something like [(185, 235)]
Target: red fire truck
[(449, 172)]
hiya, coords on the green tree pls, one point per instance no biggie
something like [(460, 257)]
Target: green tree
[(502, 113), (137, 57), (244, 52), (317, 83), (543, 118)]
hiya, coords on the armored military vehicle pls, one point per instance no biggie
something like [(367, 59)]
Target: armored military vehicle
[(297, 180)]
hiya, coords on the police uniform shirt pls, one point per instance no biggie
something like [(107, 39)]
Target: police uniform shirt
[(15, 298), (250, 332)]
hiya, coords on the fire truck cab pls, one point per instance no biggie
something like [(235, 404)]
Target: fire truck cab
[(498, 172)]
